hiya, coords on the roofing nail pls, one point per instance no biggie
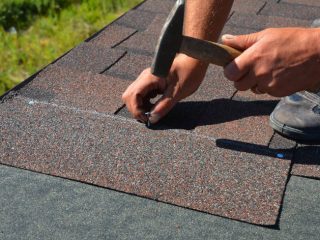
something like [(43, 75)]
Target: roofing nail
[(148, 115)]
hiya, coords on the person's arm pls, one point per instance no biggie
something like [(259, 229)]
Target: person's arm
[(277, 61), (204, 19)]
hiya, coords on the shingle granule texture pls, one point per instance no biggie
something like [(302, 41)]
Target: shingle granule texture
[(157, 24), (163, 6), (236, 120), (248, 6), (261, 22), (168, 166), (71, 88), (307, 161), (113, 35), (88, 57), (133, 44), (130, 66), (304, 2), (291, 11), (136, 19)]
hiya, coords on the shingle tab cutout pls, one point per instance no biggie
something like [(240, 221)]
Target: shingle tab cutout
[(88, 57), (168, 166), (72, 88)]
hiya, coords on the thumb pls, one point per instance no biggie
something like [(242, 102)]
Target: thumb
[(240, 42), (162, 106)]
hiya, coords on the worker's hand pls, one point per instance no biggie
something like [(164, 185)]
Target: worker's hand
[(279, 61), (185, 77)]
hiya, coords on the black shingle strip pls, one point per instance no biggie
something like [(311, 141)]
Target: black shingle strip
[(130, 66), (136, 19), (88, 57), (291, 11), (71, 88), (261, 22), (157, 6), (168, 166), (307, 161), (113, 35)]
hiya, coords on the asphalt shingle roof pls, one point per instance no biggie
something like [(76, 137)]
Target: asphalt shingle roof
[(214, 153)]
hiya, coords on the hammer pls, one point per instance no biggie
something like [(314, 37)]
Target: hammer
[(172, 41)]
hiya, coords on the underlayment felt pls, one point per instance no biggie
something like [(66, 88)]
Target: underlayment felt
[(36, 206), (88, 57), (72, 88), (169, 166)]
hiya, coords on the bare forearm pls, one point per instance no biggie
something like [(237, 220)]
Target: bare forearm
[(204, 19)]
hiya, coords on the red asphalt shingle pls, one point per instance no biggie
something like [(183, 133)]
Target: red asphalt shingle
[(76, 89), (88, 57), (168, 166), (288, 10), (113, 35), (315, 3), (260, 22), (130, 66)]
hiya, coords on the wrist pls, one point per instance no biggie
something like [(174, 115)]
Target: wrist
[(192, 63)]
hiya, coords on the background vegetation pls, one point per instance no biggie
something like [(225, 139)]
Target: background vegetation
[(35, 32)]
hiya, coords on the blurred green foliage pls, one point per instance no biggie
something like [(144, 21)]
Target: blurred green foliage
[(35, 32)]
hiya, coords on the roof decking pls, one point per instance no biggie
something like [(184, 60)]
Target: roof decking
[(214, 153)]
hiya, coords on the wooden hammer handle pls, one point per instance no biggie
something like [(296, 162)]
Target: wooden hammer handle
[(207, 51)]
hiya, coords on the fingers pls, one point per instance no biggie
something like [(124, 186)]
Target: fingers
[(138, 94), (241, 42), (163, 106), (239, 67)]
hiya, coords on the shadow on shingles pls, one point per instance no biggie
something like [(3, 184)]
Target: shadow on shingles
[(233, 145), (307, 155), (189, 115)]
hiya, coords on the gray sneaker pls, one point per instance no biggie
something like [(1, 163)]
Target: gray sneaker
[(298, 117)]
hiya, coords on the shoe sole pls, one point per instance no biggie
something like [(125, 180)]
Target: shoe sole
[(293, 133)]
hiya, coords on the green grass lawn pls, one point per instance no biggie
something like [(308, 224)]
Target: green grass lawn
[(45, 29)]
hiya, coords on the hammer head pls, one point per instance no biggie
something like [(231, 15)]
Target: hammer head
[(169, 42)]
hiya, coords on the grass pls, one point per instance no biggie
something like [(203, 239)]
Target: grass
[(50, 33)]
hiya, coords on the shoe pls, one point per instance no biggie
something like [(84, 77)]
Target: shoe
[(298, 117)]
